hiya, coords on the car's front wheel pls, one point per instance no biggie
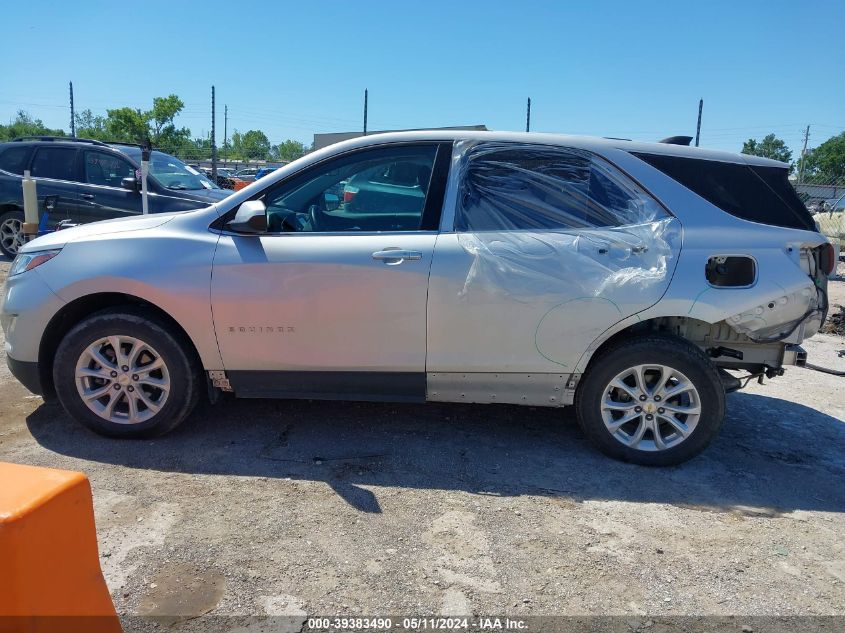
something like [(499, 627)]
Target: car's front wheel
[(654, 400), (121, 373), (11, 233)]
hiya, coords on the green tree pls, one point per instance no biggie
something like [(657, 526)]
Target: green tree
[(164, 133), (288, 150), (770, 147), (251, 145), (826, 163), (25, 125), (135, 125), (127, 124), (89, 125)]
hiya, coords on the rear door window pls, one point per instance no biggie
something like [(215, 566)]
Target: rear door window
[(512, 187), (14, 159), (755, 193), (54, 162)]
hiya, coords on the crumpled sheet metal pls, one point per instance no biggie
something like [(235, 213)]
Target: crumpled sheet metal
[(778, 316)]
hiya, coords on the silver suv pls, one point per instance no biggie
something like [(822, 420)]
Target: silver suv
[(639, 282)]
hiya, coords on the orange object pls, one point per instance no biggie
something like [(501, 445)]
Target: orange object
[(239, 184), (50, 577)]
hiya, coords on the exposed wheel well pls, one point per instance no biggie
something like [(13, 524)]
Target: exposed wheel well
[(666, 325), (80, 308), (708, 336)]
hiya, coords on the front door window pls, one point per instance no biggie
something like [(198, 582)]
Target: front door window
[(376, 190), (106, 169)]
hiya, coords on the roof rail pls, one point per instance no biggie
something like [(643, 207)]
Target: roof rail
[(71, 139)]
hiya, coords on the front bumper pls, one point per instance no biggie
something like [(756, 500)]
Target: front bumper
[(26, 308), (28, 374)]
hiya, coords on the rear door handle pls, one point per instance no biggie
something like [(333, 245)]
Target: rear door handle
[(88, 196), (396, 255)]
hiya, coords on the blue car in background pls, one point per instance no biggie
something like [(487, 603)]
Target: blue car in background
[(263, 171)]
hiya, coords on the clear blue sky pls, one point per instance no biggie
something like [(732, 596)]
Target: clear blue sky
[(628, 68)]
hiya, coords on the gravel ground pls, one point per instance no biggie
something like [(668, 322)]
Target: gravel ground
[(292, 507)]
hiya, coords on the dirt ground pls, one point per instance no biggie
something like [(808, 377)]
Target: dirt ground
[(257, 508)]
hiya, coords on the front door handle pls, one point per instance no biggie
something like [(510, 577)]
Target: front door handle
[(88, 196), (394, 255)]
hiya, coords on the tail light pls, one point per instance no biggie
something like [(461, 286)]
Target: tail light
[(827, 258), (349, 194)]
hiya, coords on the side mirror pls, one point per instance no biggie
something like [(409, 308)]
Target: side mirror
[(130, 183), (251, 217), (331, 202)]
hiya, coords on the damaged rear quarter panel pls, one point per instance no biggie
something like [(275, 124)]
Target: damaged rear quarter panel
[(782, 292)]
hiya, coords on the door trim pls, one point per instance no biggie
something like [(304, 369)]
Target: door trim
[(367, 386)]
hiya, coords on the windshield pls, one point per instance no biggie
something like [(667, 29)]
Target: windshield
[(171, 172)]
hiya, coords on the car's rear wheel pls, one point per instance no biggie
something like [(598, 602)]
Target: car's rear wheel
[(122, 374), (654, 400), (11, 233)]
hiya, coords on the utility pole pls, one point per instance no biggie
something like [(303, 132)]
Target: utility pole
[(365, 111), (225, 132), (213, 143), (528, 116), (72, 118), (803, 155), (698, 127)]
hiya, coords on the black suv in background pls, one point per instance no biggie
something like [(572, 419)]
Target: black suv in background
[(84, 181)]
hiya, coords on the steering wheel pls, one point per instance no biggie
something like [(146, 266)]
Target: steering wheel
[(314, 213)]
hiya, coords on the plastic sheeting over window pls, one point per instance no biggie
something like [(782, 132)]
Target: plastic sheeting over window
[(543, 219), (508, 186)]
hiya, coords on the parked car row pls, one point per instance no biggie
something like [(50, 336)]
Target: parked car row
[(229, 178), (80, 181), (226, 177), (626, 279)]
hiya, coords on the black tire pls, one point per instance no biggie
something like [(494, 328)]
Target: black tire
[(183, 369), (676, 353), (4, 217)]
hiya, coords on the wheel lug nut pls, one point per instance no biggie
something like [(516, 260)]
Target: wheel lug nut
[(116, 387), (657, 398), (130, 388), (649, 417), (114, 374), (638, 409), (661, 410), (642, 398), (134, 376), (125, 368)]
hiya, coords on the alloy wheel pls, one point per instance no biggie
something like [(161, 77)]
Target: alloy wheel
[(122, 379), (650, 407), (11, 235)]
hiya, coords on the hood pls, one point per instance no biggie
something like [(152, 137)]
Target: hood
[(57, 239)]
